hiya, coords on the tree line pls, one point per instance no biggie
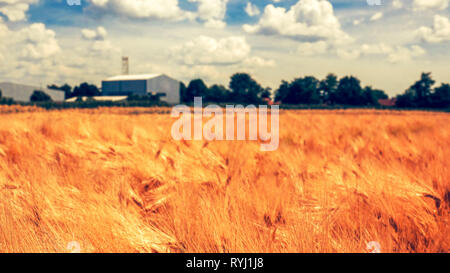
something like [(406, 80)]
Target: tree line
[(241, 89), (83, 90), (422, 94), (307, 90)]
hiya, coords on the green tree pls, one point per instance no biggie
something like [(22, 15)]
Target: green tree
[(196, 88), (40, 96), (282, 92), (406, 99), (245, 89), (328, 88), (1, 93), (304, 91), (380, 94), (422, 90), (419, 94), (349, 91), (183, 94), (266, 93), (85, 90), (371, 96), (218, 93), (441, 96)]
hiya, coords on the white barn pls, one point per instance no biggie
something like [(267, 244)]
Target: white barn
[(124, 85), (23, 92)]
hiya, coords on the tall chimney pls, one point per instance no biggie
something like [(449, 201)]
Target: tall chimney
[(125, 66)]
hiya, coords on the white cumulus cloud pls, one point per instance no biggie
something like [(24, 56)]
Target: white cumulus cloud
[(430, 4), (206, 50), (439, 32), (312, 49), (212, 12), (99, 33), (252, 10), (159, 9), (36, 42), (307, 19), (15, 10), (394, 54)]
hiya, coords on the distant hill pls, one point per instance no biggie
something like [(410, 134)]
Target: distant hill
[(22, 92)]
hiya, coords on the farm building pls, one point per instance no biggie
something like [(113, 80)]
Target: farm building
[(22, 92), (156, 84)]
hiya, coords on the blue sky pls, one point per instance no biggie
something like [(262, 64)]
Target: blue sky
[(386, 46), (53, 12)]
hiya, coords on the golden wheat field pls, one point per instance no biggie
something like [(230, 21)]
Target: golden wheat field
[(114, 180)]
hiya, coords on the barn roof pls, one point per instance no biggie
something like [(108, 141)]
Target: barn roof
[(132, 77)]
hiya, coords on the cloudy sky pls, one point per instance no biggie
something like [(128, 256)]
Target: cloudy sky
[(386, 46)]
